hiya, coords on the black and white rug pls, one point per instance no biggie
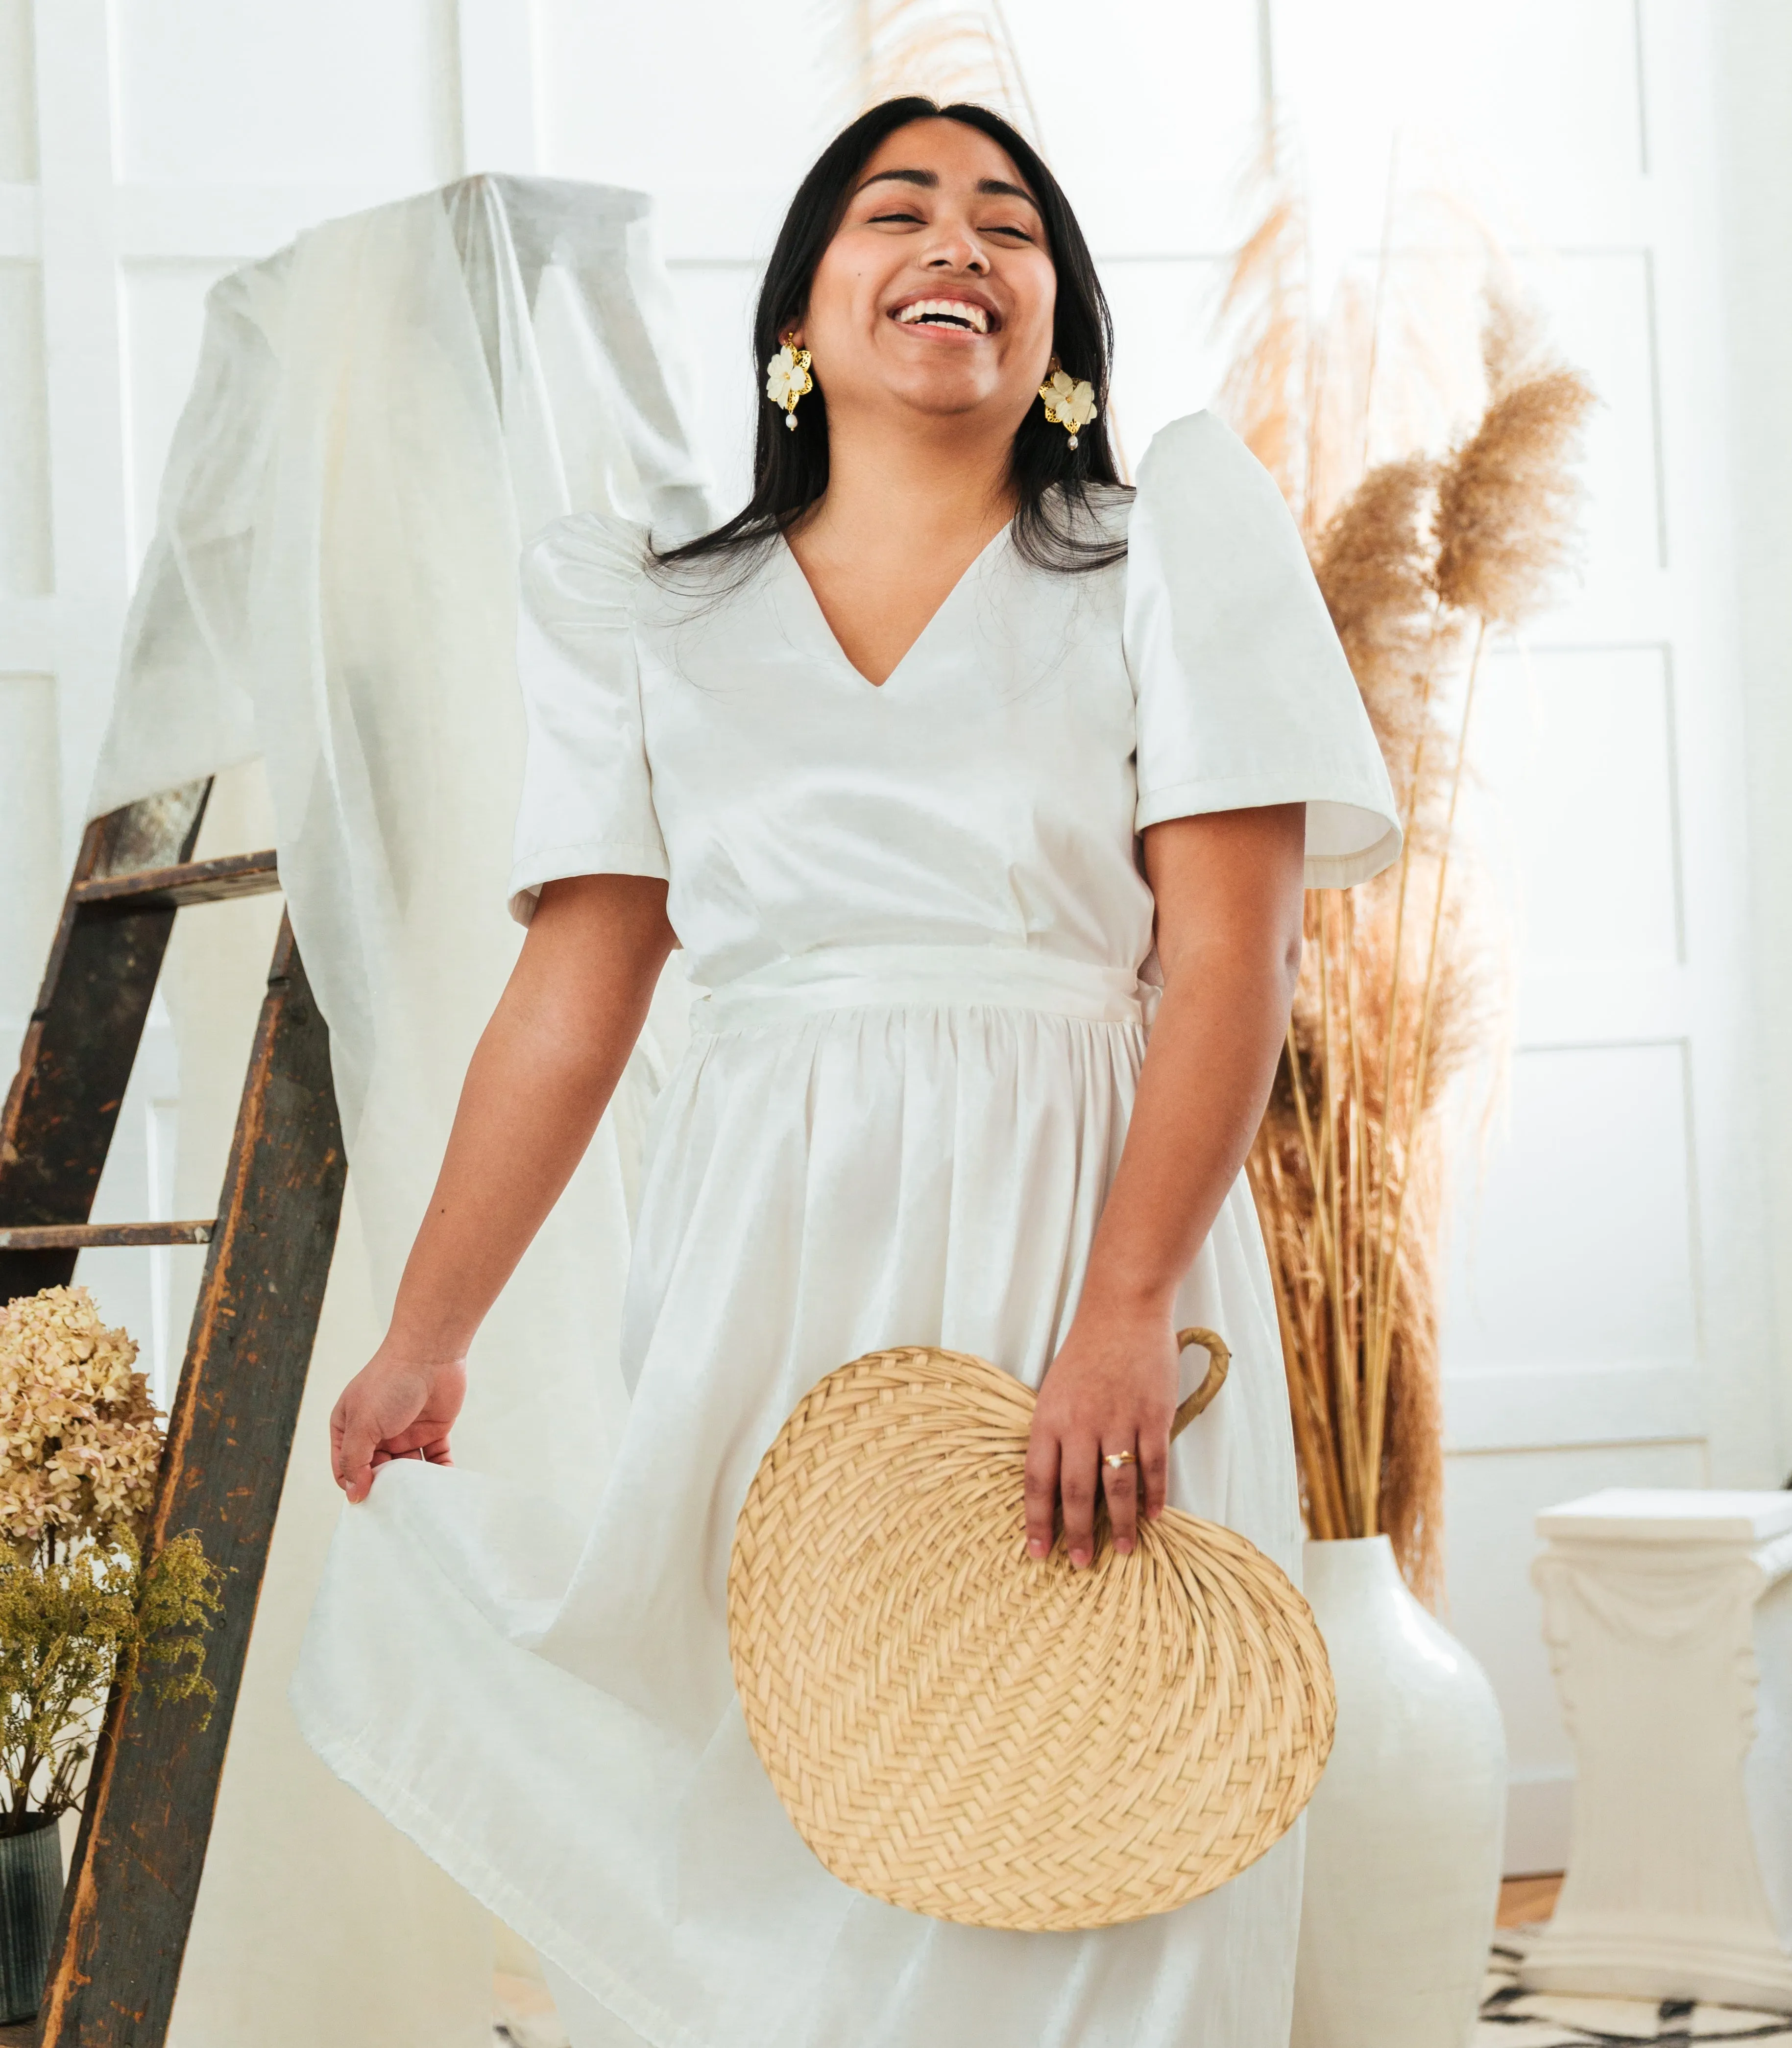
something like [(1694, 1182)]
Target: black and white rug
[(1511, 2018)]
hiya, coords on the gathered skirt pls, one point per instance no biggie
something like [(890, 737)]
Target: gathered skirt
[(547, 1706)]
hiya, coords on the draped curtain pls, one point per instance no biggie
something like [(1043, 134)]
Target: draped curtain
[(383, 413)]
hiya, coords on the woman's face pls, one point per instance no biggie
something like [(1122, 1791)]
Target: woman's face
[(937, 291)]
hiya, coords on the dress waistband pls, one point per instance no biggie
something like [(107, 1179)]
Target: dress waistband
[(938, 977)]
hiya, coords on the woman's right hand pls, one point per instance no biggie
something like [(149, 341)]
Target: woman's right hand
[(539, 1080), (395, 1407)]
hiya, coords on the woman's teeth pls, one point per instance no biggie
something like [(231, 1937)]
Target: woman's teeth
[(945, 313)]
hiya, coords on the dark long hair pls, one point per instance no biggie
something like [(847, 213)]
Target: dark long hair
[(1055, 525)]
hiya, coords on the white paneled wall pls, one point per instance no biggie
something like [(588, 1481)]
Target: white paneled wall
[(32, 888), (18, 125), (1540, 722), (1611, 1317), (213, 93), (161, 313), (25, 554)]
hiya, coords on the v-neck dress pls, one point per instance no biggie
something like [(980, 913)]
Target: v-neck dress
[(919, 918)]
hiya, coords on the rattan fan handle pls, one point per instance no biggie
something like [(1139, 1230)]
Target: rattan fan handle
[(1218, 1359)]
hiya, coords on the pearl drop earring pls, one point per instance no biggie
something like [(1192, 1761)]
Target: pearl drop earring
[(1069, 402), (787, 378)]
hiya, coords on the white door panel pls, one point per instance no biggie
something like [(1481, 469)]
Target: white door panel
[(25, 538), (210, 93), (1575, 748), (1580, 1251)]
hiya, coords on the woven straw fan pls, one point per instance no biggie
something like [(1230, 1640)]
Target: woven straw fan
[(983, 1736)]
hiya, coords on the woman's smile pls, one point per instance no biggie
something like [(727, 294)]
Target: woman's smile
[(957, 314)]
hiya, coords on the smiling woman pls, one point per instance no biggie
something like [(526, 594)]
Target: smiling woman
[(909, 196), (955, 768)]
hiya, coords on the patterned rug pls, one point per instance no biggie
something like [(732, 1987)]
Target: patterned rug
[(1514, 2018)]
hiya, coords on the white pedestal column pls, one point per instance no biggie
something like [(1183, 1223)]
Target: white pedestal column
[(1669, 1621)]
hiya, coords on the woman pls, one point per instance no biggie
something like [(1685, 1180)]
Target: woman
[(938, 775)]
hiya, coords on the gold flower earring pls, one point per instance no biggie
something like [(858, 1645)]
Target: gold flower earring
[(787, 378), (1069, 402)]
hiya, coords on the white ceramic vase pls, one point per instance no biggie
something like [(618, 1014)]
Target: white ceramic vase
[(1405, 1834)]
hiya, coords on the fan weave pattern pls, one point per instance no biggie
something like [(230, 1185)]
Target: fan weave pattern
[(972, 1733)]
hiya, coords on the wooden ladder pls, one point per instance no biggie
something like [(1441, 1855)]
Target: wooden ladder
[(152, 1785)]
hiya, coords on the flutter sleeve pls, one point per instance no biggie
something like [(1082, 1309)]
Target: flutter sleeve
[(587, 801), (1244, 696)]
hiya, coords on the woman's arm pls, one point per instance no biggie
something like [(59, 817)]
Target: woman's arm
[(1229, 890), (542, 1074)]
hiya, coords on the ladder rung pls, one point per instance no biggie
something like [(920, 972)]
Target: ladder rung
[(193, 881), (95, 1236)]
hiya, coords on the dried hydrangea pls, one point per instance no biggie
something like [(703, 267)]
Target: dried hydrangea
[(79, 1438)]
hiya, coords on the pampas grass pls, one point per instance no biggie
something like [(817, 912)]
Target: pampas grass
[(946, 52), (1422, 558)]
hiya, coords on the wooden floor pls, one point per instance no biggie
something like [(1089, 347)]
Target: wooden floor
[(1523, 1900)]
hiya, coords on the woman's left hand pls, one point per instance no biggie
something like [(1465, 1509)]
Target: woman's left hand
[(1227, 887), (1112, 1387)]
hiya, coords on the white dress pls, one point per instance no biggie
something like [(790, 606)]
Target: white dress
[(919, 913)]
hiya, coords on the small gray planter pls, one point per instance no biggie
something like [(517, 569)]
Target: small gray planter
[(30, 1900)]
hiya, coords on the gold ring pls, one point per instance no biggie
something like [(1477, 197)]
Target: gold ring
[(1118, 1458)]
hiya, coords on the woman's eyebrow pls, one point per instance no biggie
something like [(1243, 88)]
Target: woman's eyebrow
[(930, 181)]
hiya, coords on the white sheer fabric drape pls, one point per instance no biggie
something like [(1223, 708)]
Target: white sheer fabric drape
[(382, 413)]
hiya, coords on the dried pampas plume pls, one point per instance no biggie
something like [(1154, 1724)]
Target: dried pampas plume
[(945, 52), (1374, 561), (1508, 499), (1326, 379), (1420, 558), (1266, 393)]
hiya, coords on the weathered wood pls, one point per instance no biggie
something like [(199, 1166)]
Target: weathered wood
[(154, 1783), (103, 1236), (219, 881), (82, 1040), (156, 832), (155, 1779)]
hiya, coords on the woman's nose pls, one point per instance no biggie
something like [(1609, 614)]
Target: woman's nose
[(957, 251)]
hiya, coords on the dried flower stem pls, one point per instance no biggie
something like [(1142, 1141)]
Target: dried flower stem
[(1379, 1357), (1421, 561), (1312, 1432), (1377, 1275)]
